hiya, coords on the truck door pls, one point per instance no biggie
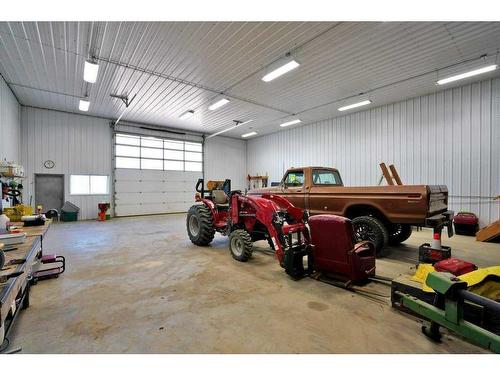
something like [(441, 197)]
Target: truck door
[(292, 188), (322, 197)]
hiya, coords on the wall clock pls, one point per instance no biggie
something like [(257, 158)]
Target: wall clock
[(49, 164)]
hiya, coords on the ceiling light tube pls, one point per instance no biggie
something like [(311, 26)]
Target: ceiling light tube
[(355, 105), (90, 71), (186, 115), (293, 122), (84, 105), (228, 129), (248, 134), (218, 104), (285, 68), (472, 73)]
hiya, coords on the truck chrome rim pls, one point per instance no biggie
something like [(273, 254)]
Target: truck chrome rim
[(194, 225), (237, 246), (364, 232)]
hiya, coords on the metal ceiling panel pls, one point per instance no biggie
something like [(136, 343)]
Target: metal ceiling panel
[(172, 67)]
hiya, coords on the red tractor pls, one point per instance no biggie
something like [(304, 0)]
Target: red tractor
[(331, 248)]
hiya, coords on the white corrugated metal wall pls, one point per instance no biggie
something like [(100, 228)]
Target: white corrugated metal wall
[(451, 137), (226, 158), (77, 144), (9, 124), (83, 145)]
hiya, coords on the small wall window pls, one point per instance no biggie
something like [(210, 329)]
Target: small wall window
[(88, 184)]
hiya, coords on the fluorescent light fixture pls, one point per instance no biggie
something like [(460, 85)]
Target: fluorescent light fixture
[(355, 105), (186, 115), (248, 134), (228, 129), (290, 65), (90, 71), (218, 104), (293, 122), (472, 73), (84, 105)]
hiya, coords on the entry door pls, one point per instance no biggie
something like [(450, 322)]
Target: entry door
[(49, 191)]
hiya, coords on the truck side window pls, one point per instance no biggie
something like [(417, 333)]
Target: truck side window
[(325, 177), (295, 178)]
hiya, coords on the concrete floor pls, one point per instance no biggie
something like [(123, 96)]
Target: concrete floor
[(137, 285)]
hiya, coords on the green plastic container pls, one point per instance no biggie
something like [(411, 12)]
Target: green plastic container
[(69, 216)]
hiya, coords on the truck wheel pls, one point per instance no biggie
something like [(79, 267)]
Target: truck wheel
[(240, 245), (200, 225), (368, 228), (399, 233)]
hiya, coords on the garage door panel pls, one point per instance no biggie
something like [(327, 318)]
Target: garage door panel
[(148, 209), (127, 186), (142, 192), (150, 186)]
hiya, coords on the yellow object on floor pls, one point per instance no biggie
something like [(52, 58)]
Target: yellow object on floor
[(471, 278)]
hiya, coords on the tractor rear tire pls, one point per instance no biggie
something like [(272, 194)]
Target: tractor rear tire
[(200, 225), (399, 233), (369, 228), (240, 245)]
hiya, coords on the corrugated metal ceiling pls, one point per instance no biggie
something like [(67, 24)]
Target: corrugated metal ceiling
[(173, 67)]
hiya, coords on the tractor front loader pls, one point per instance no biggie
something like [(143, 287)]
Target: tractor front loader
[(246, 219)]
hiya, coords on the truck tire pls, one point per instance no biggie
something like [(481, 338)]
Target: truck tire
[(399, 233), (200, 225), (2, 259), (369, 228), (240, 245)]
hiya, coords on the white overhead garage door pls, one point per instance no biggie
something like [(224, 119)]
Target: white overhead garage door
[(155, 175)]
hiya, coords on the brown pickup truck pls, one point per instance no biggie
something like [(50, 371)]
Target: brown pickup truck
[(381, 214)]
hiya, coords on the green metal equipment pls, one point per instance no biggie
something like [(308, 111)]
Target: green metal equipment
[(447, 310)]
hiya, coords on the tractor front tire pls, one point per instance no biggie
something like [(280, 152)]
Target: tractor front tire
[(200, 225), (240, 245), (369, 228), (399, 233)]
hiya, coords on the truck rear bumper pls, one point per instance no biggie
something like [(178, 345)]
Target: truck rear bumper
[(444, 219)]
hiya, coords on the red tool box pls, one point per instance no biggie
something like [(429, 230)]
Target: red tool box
[(466, 223), (455, 266)]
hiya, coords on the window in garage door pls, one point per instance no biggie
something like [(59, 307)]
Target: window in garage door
[(155, 175)]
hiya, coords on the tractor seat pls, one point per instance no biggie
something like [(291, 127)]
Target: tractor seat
[(220, 198)]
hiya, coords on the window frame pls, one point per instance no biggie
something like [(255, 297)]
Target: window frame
[(90, 186), (335, 173), (294, 171), (167, 146)]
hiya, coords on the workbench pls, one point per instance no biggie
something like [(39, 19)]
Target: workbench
[(14, 292)]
